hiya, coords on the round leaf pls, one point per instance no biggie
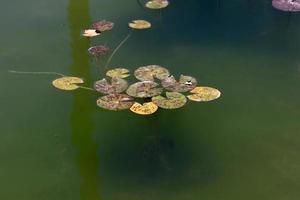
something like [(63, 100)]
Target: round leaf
[(185, 83), (102, 25), (139, 24), (144, 89), (148, 73), (287, 5), (204, 94), (145, 109), (157, 4), (98, 50), (90, 33), (118, 72), (116, 85), (67, 83), (115, 102), (172, 100)]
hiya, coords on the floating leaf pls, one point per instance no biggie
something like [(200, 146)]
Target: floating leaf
[(67, 83), (102, 25), (117, 85), (145, 109), (115, 102), (204, 94), (185, 83), (98, 50), (287, 5), (139, 24), (90, 33), (118, 72), (174, 100), (148, 73), (157, 4), (144, 89)]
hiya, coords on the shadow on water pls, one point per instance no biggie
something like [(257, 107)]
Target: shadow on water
[(82, 127)]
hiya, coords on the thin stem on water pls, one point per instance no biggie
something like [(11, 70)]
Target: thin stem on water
[(117, 48), (86, 88), (45, 73)]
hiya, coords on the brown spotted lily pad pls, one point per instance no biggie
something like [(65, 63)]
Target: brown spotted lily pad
[(99, 50), (157, 4), (201, 94), (172, 100), (148, 73), (102, 25), (115, 102), (67, 83), (145, 109), (118, 72), (144, 89), (90, 33), (116, 85), (185, 83), (139, 24)]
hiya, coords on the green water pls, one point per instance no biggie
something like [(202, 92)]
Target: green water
[(60, 145)]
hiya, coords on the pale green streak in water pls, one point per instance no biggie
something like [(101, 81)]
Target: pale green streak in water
[(60, 145)]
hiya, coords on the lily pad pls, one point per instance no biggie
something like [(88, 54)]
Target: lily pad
[(102, 25), (67, 83), (116, 85), (139, 24), (185, 83), (172, 100), (157, 4), (115, 102), (144, 89), (98, 50), (201, 94), (145, 109), (148, 73), (90, 33), (118, 72), (287, 5)]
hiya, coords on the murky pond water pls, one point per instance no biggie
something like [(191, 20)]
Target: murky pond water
[(60, 145)]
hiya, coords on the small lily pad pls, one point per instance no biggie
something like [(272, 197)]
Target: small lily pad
[(148, 73), (99, 50), (172, 100), (201, 94), (118, 72), (116, 85), (115, 102), (102, 25), (157, 4), (90, 33), (185, 83), (144, 89), (139, 24), (145, 109), (67, 83)]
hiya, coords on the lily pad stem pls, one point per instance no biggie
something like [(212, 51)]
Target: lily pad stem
[(47, 73), (86, 88)]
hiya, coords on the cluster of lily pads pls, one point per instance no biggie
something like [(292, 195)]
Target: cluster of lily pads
[(155, 88)]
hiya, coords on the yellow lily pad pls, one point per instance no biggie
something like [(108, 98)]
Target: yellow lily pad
[(157, 4), (67, 83), (145, 109), (173, 100), (202, 94), (118, 72), (139, 24)]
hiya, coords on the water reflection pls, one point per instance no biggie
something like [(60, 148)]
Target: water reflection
[(82, 127)]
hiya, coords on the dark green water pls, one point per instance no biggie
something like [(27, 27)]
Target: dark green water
[(60, 145)]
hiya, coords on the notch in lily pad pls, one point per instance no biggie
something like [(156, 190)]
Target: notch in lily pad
[(203, 94), (67, 83)]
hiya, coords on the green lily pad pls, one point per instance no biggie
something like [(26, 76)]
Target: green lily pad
[(185, 83), (118, 72), (115, 102), (173, 100), (144, 89), (148, 73), (201, 94), (157, 4), (116, 85)]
